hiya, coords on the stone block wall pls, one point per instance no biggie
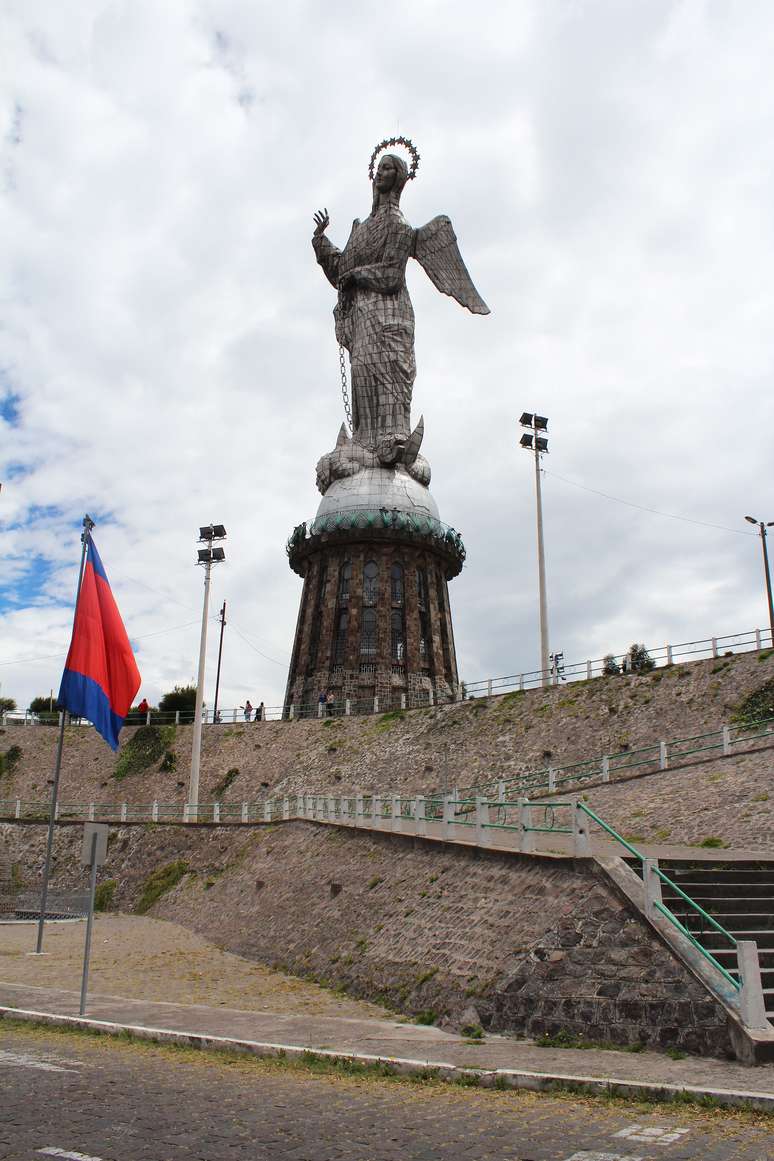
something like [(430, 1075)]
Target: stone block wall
[(522, 945), (422, 671)]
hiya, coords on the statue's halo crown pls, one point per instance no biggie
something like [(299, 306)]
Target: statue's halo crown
[(388, 141)]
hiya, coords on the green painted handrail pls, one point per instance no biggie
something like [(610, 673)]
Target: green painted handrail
[(736, 984), (712, 922)]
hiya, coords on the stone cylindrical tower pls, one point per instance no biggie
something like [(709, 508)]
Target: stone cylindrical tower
[(375, 620)]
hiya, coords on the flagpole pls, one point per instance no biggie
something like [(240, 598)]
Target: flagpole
[(88, 524)]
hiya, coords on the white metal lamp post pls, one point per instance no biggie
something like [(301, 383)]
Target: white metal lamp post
[(207, 557), (538, 443), (762, 526)]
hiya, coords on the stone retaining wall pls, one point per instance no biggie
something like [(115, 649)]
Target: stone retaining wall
[(517, 944)]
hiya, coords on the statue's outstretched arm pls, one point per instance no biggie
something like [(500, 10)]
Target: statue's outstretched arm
[(436, 250), (327, 254)]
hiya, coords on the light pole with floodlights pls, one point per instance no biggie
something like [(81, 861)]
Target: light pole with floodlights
[(538, 443), (762, 526), (207, 557)]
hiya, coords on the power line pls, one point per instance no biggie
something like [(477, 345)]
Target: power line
[(255, 649), (652, 511)]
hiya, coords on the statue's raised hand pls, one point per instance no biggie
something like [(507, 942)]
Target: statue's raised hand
[(321, 221)]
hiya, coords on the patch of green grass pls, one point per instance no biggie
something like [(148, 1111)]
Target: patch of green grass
[(143, 750), (756, 706), (472, 1031), (509, 698), (220, 788), (712, 842), (761, 797), (10, 760), (386, 721), (564, 1039), (427, 1017), (765, 654), (168, 762), (163, 879), (428, 975), (104, 895), (676, 1054), (372, 883)]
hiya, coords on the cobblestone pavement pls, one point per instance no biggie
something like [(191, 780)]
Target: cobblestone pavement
[(74, 1097)]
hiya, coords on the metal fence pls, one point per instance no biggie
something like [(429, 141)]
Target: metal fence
[(59, 905), (661, 656)]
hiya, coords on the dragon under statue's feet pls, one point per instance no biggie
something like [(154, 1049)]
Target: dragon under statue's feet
[(349, 457)]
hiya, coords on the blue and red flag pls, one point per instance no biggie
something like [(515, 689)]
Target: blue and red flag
[(100, 677)]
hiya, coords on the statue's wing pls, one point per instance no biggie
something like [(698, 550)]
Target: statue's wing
[(436, 250)]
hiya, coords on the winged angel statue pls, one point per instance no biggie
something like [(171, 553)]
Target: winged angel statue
[(375, 320)]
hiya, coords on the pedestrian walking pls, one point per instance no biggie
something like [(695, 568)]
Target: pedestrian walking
[(330, 703), (260, 713), (322, 699), (247, 707)]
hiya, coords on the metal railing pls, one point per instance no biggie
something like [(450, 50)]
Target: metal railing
[(665, 754), (662, 656)]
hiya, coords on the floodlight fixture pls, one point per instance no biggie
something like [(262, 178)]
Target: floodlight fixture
[(218, 554), (205, 556), (526, 419), (541, 423), (526, 440), (211, 532), (541, 444)]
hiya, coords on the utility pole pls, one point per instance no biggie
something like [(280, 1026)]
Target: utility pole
[(538, 444), (220, 654), (762, 526), (207, 557)]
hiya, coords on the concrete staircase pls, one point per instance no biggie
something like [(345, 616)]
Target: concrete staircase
[(740, 896)]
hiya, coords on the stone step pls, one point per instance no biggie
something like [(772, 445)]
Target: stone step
[(760, 904), (713, 940), (733, 921), (723, 890), (729, 875)]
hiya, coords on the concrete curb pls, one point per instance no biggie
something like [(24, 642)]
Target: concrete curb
[(507, 1078)]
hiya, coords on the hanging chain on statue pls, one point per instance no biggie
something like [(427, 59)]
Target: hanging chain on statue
[(344, 391)]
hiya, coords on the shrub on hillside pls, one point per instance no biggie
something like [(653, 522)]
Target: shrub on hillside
[(9, 760), (182, 697), (610, 666), (7, 705), (44, 707), (756, 706), (640, 661), (143, 749), (104, 894), (157, 884)]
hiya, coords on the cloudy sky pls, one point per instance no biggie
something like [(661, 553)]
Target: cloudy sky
[(167, 355)]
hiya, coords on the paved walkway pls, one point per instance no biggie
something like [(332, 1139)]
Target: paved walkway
[(416, 1046)]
